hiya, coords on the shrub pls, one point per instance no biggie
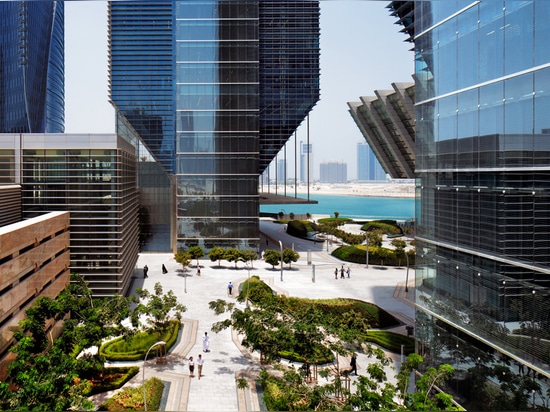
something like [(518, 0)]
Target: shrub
[(136, 347), (391, 341), (389, 227), (377, 255), (131, 399), (113, 378)]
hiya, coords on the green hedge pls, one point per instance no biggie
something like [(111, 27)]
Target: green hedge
[(136, 347), (124, 373), (131, 399), (377, 256), (391, 341), (389, 227)]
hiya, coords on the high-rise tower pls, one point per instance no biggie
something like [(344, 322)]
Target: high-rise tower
[(32, 67), (215, 88)]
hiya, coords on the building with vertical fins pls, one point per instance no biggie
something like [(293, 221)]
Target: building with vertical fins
[(387, 121), (483, 188), (368, 167), (32, 67), (215, 89)]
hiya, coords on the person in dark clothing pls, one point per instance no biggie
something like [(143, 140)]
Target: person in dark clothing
[(164, 269), (145, 270), (353, 364)]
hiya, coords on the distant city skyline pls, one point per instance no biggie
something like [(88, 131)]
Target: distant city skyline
[(361, 50)]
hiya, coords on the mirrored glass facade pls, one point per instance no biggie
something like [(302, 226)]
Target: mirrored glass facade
[(228, 82), (32, 98), (483, 168)]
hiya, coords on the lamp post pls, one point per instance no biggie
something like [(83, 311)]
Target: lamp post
[(161, 342), (248, 283), (281, 246), (407, 277), (367, 248)]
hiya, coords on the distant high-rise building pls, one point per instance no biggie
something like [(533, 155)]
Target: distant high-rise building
[(368, 167), (215, 89), (306, 158), (281, 171), (333, 172), (32, 67)]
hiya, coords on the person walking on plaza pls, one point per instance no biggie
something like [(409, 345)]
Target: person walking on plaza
[(342, 271), (191, 364), (198, 270), (200, 362), (206, 342), (164, 271), (348, 272), (230, 288), (336, 273), (145, 270), (353, 364)]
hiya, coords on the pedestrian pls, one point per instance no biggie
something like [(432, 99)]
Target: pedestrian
[(164, 271), (342, 271), (336, 273), (230, 288), (191, 364), (145, 270), (200, 362), (353, 364), (348, 272), (198, 270), (206, 342)]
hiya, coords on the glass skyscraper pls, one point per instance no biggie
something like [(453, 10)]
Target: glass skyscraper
[(483, 221), (215, 88), (32, 67)]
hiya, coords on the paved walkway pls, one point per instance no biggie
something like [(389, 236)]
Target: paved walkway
[(312, 276)]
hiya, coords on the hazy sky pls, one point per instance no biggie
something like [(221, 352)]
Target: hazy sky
[(362, 50)]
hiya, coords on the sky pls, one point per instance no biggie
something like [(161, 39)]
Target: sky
[(362, 50)]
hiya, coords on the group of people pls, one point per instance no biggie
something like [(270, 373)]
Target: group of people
[(200, 359), (343, 272), (146, 270)]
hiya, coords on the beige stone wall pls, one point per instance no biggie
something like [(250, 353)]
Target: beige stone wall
[(34, 261)]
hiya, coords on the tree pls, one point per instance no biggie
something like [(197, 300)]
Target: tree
[(291, 215), (216, 254), (336, 214), (308, 216), (183, 258), (196, 252), (375, 237), (281, 215), (249, 255), (155, 310), (272, 257), (399, 245), (233, 255), (290, 256)]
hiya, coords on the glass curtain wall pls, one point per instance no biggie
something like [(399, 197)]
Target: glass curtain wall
[(483, 156), (32, 85), (217, 101)]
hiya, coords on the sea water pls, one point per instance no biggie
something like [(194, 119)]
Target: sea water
[(354, 207)]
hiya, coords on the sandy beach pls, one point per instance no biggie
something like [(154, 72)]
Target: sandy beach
[(388, 189)]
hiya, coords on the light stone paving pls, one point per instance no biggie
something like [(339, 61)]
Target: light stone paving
[(312, 276)]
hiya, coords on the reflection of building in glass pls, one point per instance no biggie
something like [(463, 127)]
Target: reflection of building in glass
[(387, 121), (94, 178), (482, 166), (281, 171), (215, 89), (368, 167), (333, 172), (32, 67)]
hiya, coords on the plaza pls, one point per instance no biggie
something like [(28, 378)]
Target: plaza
[(227, 360)]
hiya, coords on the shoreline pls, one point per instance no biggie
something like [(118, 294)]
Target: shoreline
[(393, 190)]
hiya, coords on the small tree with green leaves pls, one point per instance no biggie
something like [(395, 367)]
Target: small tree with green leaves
[(290, 256), (249, 255), (291, 215), (155, 310), (281, 215), (183, 258), (336, 214), (399, 245), (272, 257), (375, 238), (216, 254), (233, 255), (196, 252)]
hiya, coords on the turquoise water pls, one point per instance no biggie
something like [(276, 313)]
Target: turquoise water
[(354, 207)]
